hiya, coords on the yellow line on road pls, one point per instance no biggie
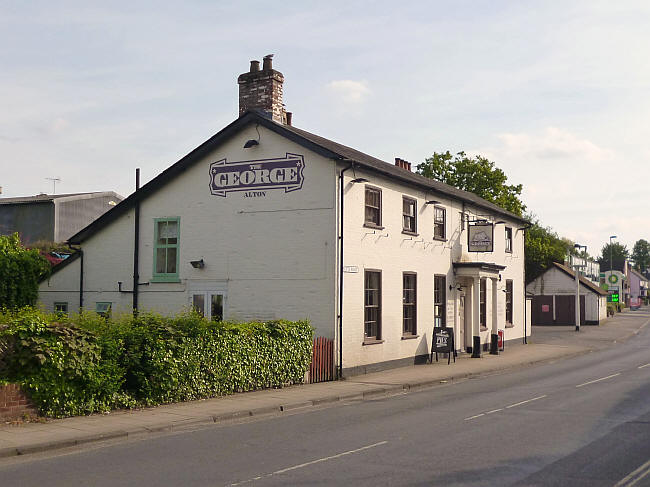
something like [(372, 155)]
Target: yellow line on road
[(644, 366), (474, 417), (635, 476)]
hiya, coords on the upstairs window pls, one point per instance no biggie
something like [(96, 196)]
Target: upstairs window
[(166, 244), (373, 207), (508, 239), (409, 210), (439, 224)]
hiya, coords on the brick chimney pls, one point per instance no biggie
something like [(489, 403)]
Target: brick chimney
[(262, 90), (402, 163)]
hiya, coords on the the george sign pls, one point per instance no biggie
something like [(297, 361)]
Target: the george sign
[(443, 342), (264, 174), (480, 237)]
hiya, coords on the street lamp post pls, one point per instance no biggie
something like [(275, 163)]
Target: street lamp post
[(611, 266), (576, 266)]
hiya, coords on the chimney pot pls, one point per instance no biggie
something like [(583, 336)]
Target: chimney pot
[(255, 66), (289, 117), (268, 62)]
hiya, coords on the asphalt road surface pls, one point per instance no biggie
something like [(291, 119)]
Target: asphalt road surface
[(576, 422)]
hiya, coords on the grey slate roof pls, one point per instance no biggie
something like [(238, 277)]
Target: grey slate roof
[(583, 281), (320, 145)]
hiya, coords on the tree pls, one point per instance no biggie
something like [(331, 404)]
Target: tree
[(477, 175), (543, 247), (20, 272), (612, 252), (641, 255)]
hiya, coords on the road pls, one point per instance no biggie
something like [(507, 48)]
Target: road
[(580, 422)]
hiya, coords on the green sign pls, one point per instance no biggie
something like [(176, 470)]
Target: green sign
[(614, 297)]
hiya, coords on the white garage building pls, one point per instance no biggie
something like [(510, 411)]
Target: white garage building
[(266, 221)]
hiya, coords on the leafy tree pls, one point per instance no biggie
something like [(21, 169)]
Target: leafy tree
[(543, 247), (20, 272), (477, 175), (612, 251), (641, 255)]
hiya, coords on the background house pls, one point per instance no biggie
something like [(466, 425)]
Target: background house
[(555, 295), (52, 218)]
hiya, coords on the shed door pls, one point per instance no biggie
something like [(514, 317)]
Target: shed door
[(542, 310), (565, 310)]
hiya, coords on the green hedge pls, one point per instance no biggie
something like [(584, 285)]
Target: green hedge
[(88, 364)]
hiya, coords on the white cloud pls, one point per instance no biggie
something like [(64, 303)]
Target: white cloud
[(349, 91), (552, 143)]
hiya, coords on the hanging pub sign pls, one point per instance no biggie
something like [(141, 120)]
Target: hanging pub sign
[(256, 177), (480, 237), (443, 342)]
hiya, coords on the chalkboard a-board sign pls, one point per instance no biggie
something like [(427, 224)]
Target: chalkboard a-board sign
[(443, 342)]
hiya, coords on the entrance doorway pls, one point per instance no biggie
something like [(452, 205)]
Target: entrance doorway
[(463, 333)]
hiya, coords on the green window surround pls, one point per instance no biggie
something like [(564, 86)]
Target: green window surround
[(166, 249)]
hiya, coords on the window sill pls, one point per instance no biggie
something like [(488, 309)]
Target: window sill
[(408, 232), (484, 328), (508, 251), (440, 239), (509, 325), (165, 279), (372, 342), (410, 337), (373, 226)]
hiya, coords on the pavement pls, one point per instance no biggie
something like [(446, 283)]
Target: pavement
[(547, 344)]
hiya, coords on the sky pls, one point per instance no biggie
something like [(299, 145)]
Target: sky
[(555, 93)]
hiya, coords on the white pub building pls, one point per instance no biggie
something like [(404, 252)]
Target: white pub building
[(266, 221)]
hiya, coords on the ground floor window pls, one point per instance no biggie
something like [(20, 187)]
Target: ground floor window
[(103, 309), (61, 308), (372, 305), (209, 305), (509, 301), (439, 300), (409, 303)]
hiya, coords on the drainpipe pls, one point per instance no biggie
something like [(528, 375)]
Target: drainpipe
[(81, 280), (136, 244), (340, 374), (525, 293)]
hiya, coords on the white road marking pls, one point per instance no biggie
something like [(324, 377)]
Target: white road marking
[(598, 380), (474, 417), (494, 411), (635, 476), (643, 366), (306, 464), (526, 401)]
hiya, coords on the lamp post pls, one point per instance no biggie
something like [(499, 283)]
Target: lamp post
[(576, 266), (611, 266)]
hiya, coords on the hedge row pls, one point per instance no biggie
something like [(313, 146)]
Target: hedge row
[(87, 364)]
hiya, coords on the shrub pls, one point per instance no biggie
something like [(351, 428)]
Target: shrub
[(20, 272), (92, 364)]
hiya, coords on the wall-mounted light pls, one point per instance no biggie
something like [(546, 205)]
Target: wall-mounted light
[(251, 143), (359, 180), (432, 202), (197, 264)]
